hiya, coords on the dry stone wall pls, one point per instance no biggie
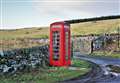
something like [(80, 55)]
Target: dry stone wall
[(20, 59)]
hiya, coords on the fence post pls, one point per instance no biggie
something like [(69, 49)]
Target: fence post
[(91, 46)]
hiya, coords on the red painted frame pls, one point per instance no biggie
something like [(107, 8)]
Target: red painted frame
[(62, 61)]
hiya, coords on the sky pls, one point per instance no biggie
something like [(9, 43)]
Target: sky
[(16, 14)]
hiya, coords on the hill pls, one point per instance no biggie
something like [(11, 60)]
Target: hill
[(36, 32), (93, 27), (20, 38)]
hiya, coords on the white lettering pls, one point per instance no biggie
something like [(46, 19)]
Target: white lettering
[(56, 26)]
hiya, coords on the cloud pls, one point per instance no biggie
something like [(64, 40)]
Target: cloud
[(60, 7), (81, 7), (43, 12)]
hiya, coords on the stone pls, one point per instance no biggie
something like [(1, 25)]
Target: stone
[(19, 59), (1, 53)]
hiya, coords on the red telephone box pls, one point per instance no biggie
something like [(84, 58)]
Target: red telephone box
[(60, 44)]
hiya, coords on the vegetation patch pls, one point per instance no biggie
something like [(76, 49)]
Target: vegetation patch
[(105, 54), (114, 68), (48, 74), (10, 39), (98, 27)]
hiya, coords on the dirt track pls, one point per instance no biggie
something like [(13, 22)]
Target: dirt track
[(100, 72)]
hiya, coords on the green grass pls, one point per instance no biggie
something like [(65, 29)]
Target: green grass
[(98, 27), (24, 33), (106, 54), (80, 63), (10, 39), (48, 75)]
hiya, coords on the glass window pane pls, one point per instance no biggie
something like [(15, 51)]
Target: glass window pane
[(56, 45)]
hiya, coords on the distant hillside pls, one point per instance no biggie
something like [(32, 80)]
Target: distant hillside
[(25, 33), (20, 38), (93, 27)]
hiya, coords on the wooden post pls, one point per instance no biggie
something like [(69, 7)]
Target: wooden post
[(91, 46)]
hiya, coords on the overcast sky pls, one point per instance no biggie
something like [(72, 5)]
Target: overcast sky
[(32, 13)]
